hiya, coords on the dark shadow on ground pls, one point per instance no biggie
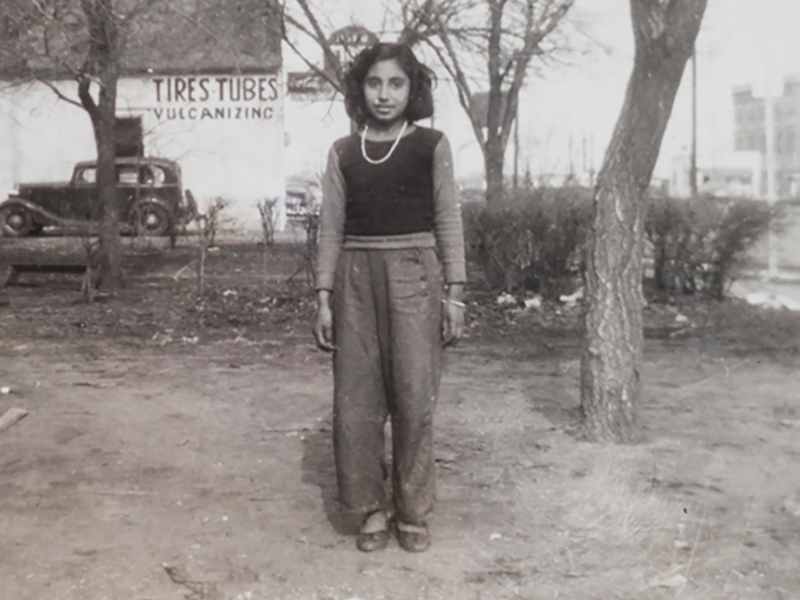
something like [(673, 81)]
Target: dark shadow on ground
[(563, 414), (319, 470)]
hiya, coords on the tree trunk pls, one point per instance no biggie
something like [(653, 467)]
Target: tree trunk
[(494, 158), (665, 33), (110, 243), (102, 67)]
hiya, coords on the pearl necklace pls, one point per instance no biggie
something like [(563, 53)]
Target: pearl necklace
[(391, 150)]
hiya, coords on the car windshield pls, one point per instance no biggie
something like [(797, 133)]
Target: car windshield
[(153, 175), (88, 175)]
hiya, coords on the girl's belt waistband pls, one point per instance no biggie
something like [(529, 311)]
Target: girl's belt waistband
[(423, 239)]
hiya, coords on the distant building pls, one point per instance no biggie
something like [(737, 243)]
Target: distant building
[(744, 173), (750, 135), (739, 178)]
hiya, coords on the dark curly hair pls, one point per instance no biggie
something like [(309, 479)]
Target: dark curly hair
[(420, 96)]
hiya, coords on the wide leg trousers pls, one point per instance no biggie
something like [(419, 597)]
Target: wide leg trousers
[(388, 361)]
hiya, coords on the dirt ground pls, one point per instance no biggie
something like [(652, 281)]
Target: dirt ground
[(180, 448)]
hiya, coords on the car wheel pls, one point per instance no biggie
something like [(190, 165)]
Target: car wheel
[(151, 219), (15, 221)]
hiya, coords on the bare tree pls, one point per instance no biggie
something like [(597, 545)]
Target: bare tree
[(665, 32), (79, 40), (503, 37)]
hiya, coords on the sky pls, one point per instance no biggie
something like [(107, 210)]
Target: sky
[(568, 111)]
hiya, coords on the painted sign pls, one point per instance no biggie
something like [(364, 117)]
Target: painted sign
[(214, 97), (347, 42)]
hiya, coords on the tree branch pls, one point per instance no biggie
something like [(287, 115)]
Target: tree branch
[(223, 42), (138, 10), (87, 102), (76, 74), (416, 23), (534, 37), (317, 71), (420, 23), (495, 32), (59, 93), (297, 25), (462, 85), (322, 40)]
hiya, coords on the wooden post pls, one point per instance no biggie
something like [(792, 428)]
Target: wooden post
[(516, 152), (772, 184), (693, 168)]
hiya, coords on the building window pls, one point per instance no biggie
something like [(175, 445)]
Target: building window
[(129, 136)]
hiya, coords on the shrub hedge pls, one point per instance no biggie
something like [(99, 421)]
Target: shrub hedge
[(699, 245), (534, 242)]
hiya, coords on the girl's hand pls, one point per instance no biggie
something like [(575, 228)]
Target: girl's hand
[(453, 321), (323, 322)]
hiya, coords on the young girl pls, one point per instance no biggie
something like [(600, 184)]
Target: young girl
[(388, 203)]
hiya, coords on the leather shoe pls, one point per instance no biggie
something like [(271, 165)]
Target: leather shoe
[(413, 537), (374, 533)]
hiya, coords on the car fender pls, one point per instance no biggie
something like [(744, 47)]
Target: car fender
[(39, 214)]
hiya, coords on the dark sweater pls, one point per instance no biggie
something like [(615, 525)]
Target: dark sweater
[(394, 197), (408, 201)]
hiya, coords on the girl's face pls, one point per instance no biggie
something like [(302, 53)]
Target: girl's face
[(386, 89)]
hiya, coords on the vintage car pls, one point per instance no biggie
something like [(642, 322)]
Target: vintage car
[(150, 199), (302, 198)]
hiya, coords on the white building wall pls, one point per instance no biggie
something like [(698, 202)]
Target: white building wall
[(312, 125), (42, 136), (228, 147)]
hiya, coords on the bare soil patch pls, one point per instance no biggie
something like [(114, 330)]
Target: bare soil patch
[(179, 447)]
